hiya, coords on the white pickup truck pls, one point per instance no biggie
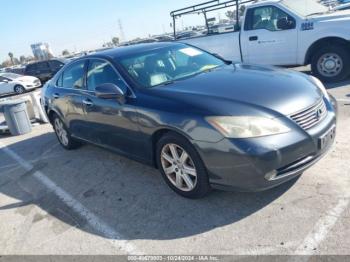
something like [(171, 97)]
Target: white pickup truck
[(283, 33)]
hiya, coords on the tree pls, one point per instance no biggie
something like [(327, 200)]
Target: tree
[(6, 63), (115, 40), (22, 59), (230, 15), (241, 10), (11, 58), (65, 52)]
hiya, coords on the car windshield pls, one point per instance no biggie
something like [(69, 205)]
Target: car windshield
[(305, 7), (163, 66), (10, 75)]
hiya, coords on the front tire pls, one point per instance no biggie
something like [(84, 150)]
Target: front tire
[(19, 89), (63, 134), (331, 63), (181, 166)]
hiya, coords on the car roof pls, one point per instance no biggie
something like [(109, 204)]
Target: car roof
[(132, 49), (264, 2), (7, 74)]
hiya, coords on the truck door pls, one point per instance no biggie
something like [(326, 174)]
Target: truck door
[(269, 37)]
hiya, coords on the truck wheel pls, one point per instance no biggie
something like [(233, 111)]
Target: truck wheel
[(331, 63)]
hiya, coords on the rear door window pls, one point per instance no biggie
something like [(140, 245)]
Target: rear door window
[(101, 72), (59, 82), (73, 76)]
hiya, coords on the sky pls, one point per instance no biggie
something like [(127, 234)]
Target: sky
[(78, 25)]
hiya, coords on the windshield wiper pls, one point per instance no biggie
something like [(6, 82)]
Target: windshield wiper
[(168, 82)]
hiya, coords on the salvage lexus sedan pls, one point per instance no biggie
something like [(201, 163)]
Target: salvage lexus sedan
[(202, 121)]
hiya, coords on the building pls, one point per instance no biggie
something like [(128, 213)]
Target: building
[(41, 51)]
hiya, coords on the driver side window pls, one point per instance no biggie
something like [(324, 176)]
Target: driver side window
[(267, 17)]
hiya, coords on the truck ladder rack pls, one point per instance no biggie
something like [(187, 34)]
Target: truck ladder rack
[(206, 7)]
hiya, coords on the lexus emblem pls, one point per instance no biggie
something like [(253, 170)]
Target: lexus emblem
[(319, 113)]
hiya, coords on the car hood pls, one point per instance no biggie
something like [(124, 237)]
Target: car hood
[(27, 79), (282, 91), (337, 16)]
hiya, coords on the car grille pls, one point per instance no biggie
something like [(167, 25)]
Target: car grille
[(311, 116)]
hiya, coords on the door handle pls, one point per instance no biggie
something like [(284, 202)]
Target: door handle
[(55, 96), (88, 102), (253, 38)]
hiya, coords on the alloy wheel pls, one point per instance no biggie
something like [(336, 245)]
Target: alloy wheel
[(19, 90), (179, 167), (61, 132)]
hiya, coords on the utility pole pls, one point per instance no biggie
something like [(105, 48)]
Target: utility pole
[(121, 31)]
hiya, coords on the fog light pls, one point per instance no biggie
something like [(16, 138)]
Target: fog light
[(271, 175)]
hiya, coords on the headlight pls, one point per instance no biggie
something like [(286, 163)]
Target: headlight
[(247, 126), (319, 84)]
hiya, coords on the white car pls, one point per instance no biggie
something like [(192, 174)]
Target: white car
[(14, 83)]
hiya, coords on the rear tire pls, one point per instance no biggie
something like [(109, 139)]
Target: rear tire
[(331, 63), (63, 134), (185, 175), (19, 89)]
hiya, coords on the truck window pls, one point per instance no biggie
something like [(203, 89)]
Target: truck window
[(31, 68), (55, 65), (265, 17)]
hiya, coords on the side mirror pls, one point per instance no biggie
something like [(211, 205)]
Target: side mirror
[(5, 81), (285, 24), (109, 91)]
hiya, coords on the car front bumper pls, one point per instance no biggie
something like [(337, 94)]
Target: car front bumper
[(31, 86), (258, 164)]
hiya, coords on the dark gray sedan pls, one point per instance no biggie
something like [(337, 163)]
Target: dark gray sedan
[(202, 121)]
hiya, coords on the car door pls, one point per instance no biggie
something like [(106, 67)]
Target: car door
[(67, 96), (110, 122), (264, 41), (6, 86)]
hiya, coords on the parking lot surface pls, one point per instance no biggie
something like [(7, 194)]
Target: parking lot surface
[(91, 201)]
